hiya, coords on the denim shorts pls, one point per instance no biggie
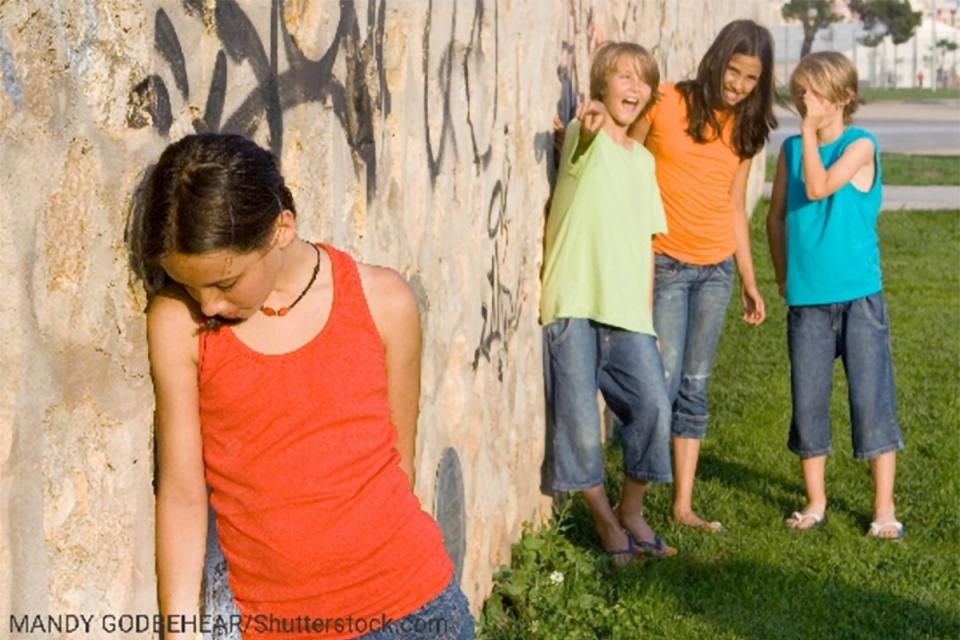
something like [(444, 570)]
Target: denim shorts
[(689, 307), (859, 333), (446, 617), (580, 357)]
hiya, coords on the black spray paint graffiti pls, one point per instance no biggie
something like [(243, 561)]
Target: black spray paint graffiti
[(303, 81), (573, 89), (480, 55), (475, 57), (501, 315)]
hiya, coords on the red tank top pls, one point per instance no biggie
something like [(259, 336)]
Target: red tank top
[(314, 515)]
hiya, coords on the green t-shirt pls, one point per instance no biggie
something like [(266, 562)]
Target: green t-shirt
[(598, 255)]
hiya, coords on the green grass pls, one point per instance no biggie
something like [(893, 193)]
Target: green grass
[(758, 580), (906, 169), (880, 95)]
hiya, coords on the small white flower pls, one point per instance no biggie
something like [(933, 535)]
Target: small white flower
[(556, 577)]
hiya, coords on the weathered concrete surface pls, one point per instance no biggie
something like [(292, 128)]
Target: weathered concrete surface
[(414, 134)]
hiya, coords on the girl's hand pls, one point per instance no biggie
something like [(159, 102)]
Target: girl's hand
[(591, 115), (815, 110), (754, 311)]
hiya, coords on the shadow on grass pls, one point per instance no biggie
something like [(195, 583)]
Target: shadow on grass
[(753, 600), (774, 489)]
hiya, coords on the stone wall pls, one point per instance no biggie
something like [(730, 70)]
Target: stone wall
[(415, 134)]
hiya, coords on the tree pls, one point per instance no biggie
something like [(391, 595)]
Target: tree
[(882, 18), (813, 15)]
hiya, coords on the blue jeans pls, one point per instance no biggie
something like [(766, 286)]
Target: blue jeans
[(689, 306), (858, 332), (581, 357), (446, 617)]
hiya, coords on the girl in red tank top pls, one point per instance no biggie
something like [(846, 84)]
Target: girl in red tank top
[(287, 382)]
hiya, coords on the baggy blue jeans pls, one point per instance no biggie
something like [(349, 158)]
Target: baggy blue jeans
[(858, 332)]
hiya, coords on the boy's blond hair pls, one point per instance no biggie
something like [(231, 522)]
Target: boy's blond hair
[(605, 61), (830, 75)]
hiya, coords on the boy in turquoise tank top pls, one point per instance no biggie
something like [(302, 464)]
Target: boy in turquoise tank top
[(822, 229), (596, 306)]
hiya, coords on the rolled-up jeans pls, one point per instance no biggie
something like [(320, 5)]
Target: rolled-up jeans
[(580, 357), (689, 306)]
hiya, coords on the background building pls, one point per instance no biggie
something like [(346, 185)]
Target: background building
[(931, 53)]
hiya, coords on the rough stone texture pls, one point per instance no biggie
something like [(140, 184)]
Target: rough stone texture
[(414, 134)]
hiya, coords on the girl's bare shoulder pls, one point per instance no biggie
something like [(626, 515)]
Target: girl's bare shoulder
[(173, 320), (392, 302)]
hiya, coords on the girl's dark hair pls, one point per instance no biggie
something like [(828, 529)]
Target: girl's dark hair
[(210, 192), (704, 95)]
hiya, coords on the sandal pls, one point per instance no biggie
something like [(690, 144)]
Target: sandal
[(877, 527), (799, 517), (656, 549), (630, 552)]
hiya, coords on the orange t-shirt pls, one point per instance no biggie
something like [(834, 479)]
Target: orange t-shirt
[(315, 517), (695, 181)]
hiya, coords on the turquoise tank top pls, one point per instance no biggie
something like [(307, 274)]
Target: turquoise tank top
[(833, 253)]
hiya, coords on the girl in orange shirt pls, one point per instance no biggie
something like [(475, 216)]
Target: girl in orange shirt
[(287, 380), (703, 134)]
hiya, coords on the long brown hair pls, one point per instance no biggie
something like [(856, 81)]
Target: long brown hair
[(704, 94)]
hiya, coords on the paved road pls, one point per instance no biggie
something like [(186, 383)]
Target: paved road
[(912, 198), (900, 126)]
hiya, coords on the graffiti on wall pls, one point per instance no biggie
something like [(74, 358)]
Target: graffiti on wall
[(472, 65), (481, 54), (574, 80), (304, 80), (501, 311)]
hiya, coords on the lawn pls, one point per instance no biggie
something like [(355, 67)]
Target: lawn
[(908, 93), (905, 169), (757, 579)]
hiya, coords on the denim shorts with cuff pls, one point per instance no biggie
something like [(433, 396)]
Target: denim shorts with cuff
[(580, 357), (858, 332)]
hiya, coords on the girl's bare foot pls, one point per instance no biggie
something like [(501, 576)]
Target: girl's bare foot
[(691, 519)]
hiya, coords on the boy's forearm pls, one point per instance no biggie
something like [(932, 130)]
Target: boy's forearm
[(583, 144), (775, 240), (814, 174)]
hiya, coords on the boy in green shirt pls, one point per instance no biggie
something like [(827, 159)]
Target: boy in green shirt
[(596, 305)]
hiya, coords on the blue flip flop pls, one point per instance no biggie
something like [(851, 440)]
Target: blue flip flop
[(631, 551), (656, 549)]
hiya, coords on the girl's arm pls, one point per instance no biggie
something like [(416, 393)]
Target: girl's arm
[(776, 223), (819, 182), (181, 501), (639, 129), (753, 308), (397, 317)]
